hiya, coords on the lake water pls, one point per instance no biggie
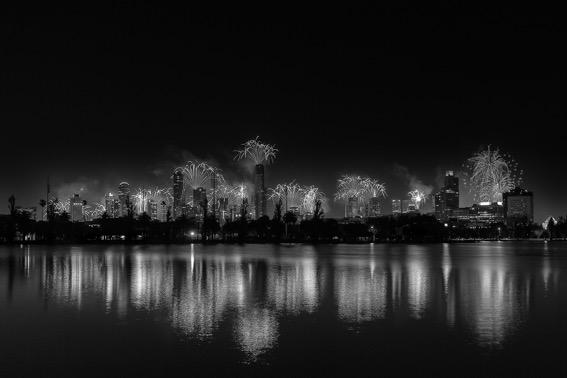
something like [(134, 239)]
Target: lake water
[(494, 308)]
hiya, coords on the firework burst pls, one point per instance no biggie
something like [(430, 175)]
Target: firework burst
[(196, 174), (257, 151), (291, 194), (350, 186), (360, 189), (373, 187), (93, 211), (417, 197), (312, 194), (157, 195), (240, 192), (61, 207), (492, 173)]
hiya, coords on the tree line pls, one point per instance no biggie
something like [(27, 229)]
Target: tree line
[(281, 227)]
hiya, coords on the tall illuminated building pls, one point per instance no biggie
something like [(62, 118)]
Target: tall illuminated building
[(396, 206), (518, 205), (152, 209), (374, 209), (447, 199), (76, 208), (260, 203), (199, 195), (124, 198), (110, 205), (178, 201)]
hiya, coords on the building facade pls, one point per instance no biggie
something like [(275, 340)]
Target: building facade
[(76, 208), (178, 201), (374, 208), (518, 205), (260, 203), (124, 198), (447, 199)]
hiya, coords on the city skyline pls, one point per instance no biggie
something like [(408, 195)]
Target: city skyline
[(419, 196), (390, 93)]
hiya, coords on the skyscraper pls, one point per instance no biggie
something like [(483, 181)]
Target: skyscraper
[(124, 198), (199, 195), (152, 209), (177, 193), (519, 205), (447, 199), (76, 208), (374, 209), (396, 206), (259, 191), (408, 206), (352, 207), (110, 205)]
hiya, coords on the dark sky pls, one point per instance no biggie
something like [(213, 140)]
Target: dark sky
[(97, 95)]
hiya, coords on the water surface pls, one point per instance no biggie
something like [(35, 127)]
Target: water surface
[(494, 308)]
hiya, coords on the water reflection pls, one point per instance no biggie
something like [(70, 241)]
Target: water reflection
[(485, 291)]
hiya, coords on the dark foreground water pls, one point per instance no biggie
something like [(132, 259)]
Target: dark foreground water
[(443, 309)]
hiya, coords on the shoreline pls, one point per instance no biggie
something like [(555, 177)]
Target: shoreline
[(285, 243)]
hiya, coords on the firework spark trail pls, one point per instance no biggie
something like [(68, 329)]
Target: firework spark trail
[(196, 174), (373, 187), (156, 195), (240, 192), (492, 173), (361, 188), (291, 194), (61, 207), (417, 197), (93, 211), (311, 195), (257, 151), (350, 186)]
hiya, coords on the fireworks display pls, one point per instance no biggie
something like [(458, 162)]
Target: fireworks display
[(94, 211), (196, 174), (492, 173), (311, 195), (296, 197), (291, 194), (256, 151), (144, 197), (417, 197), (349, 186), (373, 188), (61, 207), (360, 188)]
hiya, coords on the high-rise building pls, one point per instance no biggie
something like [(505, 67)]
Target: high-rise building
[(110, 205), (374, 209), (353, 207), (76, 208), (259, 192), (396, 206), (480, 214), (152, 209), (162, 209), (519, 205), (178, 201), (124, 198), (199, 195), (405, 205), (447, 199)]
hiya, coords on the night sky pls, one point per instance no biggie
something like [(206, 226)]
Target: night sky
[(93, 95)]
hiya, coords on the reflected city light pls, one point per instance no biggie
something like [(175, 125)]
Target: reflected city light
[(197, 291)]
